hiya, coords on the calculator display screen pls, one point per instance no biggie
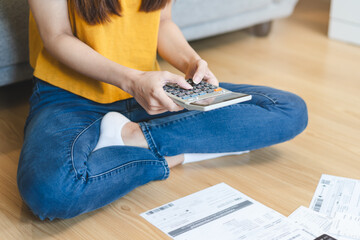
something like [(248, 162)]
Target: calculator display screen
[(219, 99)]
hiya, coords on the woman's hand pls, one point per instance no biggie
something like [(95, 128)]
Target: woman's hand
[(199, 71), (147, 89)]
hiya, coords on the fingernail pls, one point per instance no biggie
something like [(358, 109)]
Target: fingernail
[(189, 85)]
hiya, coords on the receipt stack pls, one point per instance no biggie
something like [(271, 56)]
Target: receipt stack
[(222, 212)]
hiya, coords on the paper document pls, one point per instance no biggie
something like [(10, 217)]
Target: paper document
[(339, 199), (311, 220), (346, 225), (221, 212), (337, 195)]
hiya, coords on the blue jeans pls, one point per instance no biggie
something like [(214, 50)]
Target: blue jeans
[(60, 177)]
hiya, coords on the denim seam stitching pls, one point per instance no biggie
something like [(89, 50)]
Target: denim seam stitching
[(201, 113), (150, 140), (124, 166), (73, 145), (153, 147), (191, 116), (264, 95), (178, 120)]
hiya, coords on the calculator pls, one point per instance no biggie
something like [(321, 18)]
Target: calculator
[(204, 96)]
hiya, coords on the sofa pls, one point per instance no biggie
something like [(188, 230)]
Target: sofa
[(203, 18), (196, 18)]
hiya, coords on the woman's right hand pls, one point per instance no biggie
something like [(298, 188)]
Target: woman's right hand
[(147, 89)]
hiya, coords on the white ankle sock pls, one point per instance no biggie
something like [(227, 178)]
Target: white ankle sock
[(196, 157), (110, 130)]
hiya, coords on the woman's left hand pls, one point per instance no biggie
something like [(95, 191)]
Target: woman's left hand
[(199, 71)]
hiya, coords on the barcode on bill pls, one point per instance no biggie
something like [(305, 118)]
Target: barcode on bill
[(318, 204), (326, 182), (160, 209)]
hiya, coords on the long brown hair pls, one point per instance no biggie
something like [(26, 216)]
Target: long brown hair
[(99, 11)]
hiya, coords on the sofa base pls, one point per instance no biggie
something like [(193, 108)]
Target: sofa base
[(262, 29), (15, 73)]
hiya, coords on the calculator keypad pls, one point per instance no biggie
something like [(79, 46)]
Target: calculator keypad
[(198, 90)]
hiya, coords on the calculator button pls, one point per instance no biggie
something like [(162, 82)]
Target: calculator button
[(218, 89)]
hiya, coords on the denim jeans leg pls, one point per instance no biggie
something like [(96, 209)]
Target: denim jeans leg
[(60, 177), (271, 117), (58, 174)]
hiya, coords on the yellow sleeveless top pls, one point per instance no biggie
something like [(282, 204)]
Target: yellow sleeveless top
[(130, 40)]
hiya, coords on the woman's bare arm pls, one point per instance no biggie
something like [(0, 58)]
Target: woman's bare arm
[(173, 47)]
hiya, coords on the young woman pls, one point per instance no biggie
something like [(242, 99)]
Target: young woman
[(100, 123)]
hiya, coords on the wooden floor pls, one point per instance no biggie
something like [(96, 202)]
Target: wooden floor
[(297, 57)]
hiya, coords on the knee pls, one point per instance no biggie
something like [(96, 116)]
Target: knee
[(295, 110), (48, 196)]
